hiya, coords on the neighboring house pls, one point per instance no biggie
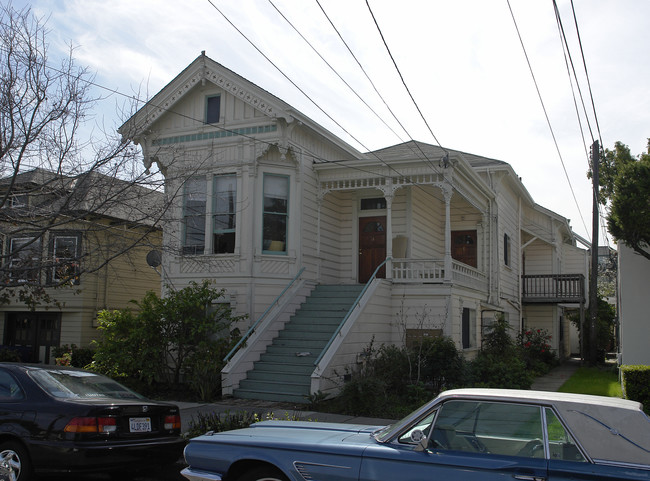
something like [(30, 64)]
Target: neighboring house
[(633, 312), (327, 248), (75, 246)]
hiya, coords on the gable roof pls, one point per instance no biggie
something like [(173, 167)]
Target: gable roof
[(204, 69)]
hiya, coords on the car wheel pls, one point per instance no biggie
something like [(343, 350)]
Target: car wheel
[(264, 473), (14, 462)]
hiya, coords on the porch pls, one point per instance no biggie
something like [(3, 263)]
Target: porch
[(432, 271)]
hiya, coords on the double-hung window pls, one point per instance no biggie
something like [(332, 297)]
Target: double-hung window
[(24, 259), (194, 204), (276, 213), (506, 249), (224, 213), (65, 254)]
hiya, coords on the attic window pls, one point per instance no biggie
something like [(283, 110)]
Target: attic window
[(212, 109)]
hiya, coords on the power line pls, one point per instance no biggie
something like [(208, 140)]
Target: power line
[(548, 121), (402, 77)]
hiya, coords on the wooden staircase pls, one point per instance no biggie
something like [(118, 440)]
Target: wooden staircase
[(283, 372)]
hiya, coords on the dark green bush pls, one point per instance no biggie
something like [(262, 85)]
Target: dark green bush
[(395, 380), (490, 370), (74, 356), (499, 363), (636, 384), (177, 340), (9, 355)]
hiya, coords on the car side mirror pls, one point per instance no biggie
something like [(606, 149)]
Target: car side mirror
[(418, 437)]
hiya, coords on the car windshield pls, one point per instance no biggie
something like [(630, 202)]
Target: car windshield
[(80, 384)]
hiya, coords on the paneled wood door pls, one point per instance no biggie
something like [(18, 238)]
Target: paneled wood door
[(372, 247), (463, 247)]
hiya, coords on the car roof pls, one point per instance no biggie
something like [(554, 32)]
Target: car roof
[(610, 430), (549, 397)]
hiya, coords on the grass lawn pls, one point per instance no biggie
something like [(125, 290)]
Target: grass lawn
[(594, 380)]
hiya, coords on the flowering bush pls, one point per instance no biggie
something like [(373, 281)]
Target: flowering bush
[(536, 349)]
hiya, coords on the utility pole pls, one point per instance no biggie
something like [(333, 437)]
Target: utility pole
[(593, 279)]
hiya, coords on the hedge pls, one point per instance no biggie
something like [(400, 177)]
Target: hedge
[(636, 384)]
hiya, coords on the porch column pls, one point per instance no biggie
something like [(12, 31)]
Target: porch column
[(389, 235), (447, 192)]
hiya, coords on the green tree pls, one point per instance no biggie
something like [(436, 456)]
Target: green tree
[(625, 186), (605, 324), (167, 338)]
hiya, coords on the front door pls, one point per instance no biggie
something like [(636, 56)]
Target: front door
[(34, 332), (372, 247), (463, 247)]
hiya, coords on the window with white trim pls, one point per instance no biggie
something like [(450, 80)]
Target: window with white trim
[(276, 214), (194, 211), (224, 213)]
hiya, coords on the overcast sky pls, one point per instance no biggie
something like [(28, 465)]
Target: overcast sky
[(461, 60)]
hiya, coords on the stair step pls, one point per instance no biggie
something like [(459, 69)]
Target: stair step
[(270, 396), (271, 386), (299, 345), (322, 335), (283, 372), (296, 369), (281, 377)]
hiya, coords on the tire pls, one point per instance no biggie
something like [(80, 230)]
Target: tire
[(264, 473), (14, 462)]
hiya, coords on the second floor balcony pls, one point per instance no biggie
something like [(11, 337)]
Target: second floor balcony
[(553, 288)]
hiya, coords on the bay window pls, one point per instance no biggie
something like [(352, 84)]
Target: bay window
[(194, 204), (224, 215), (276, 212)]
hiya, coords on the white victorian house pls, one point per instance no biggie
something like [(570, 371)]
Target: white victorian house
[(327, 248)]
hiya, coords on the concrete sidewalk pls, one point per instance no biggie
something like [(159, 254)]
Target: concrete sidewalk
[(557, 376), (190, 411)]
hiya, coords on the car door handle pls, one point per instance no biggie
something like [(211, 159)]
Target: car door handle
[(524, 477)]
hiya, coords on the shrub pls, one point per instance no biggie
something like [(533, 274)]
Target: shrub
[(395, 380), (180, 337), (636, 384), (490, 370), (535, 348), (499, 363), (71, 355), (9, 355)]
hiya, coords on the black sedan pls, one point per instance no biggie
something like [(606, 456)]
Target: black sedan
[(64, 420)]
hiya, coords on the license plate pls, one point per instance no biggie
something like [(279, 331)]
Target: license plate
[(140, 425)]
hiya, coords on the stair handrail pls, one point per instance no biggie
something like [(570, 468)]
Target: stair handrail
[(349, 313), (251, 330)]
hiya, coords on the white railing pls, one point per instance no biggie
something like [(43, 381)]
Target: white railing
[(433, 271), (418, 270)]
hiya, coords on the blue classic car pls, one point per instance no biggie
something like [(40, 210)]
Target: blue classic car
[(464, 434)]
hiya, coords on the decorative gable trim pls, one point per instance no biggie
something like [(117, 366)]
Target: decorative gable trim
[(197, 73)]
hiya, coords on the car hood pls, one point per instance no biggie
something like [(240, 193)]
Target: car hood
[(294, 434)]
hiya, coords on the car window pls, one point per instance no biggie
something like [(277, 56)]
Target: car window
[(80, 384), (424, 425), (489, 427), (561, 443), (9, 388)]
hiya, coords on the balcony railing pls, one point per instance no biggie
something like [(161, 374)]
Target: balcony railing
[(553, 288)]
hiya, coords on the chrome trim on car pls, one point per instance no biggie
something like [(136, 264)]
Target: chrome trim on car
[(301, 467), (616, 464), (198, 475)]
